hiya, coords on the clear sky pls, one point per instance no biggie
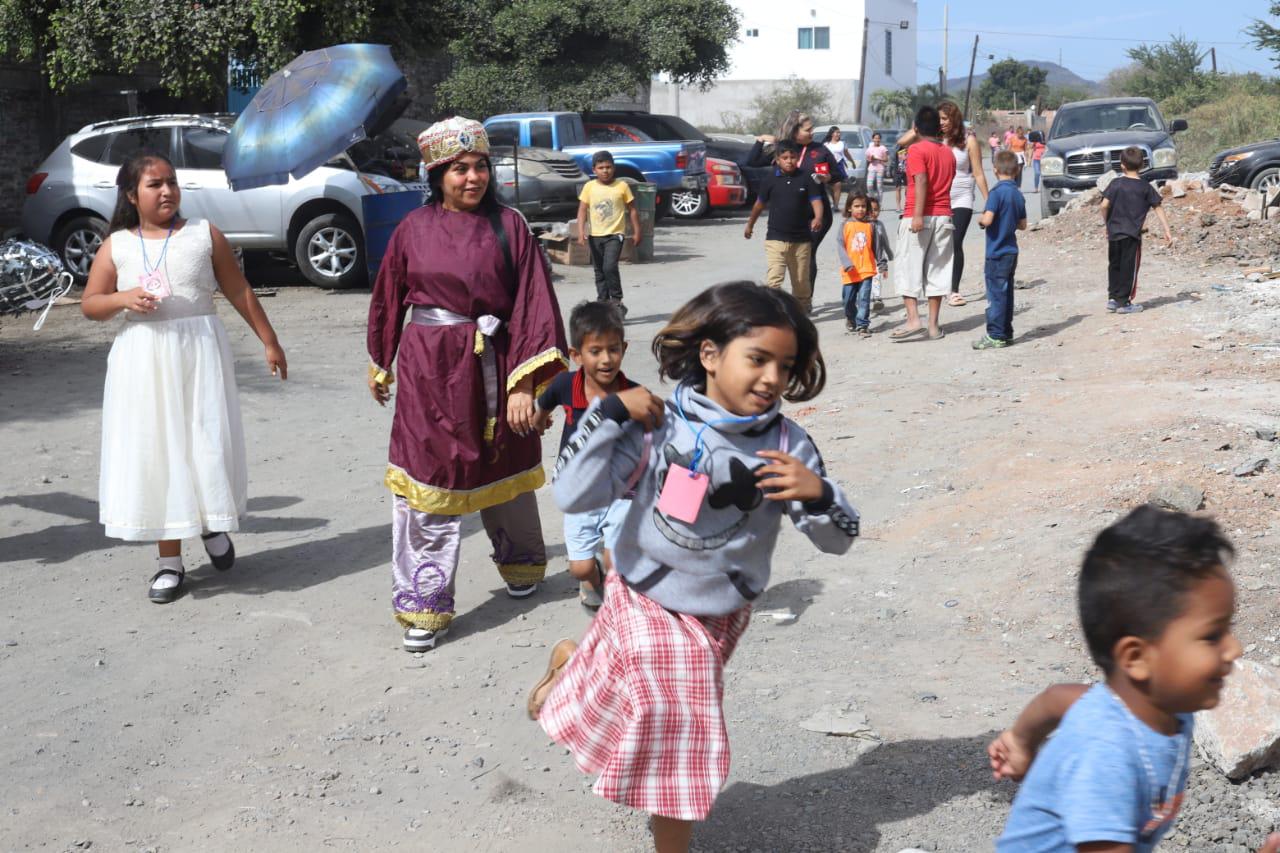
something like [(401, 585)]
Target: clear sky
[(1090, 38)]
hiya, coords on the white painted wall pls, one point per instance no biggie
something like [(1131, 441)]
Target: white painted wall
[(771, 54)]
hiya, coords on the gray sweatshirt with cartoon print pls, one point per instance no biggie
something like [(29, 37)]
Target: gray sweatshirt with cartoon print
[(720, 561)]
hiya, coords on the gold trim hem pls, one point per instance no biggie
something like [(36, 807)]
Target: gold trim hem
[(426, 620), (531, 365), (521, 574), (434, 499)]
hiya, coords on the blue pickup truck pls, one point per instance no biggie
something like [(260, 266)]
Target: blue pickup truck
[(668, 166)]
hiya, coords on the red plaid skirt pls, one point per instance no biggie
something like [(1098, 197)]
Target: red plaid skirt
[(640, 704)]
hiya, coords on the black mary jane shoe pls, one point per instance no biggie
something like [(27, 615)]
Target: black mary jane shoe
[(228, 559), (167, 594)]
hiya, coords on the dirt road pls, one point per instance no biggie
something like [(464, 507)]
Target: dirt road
[(271, 708)]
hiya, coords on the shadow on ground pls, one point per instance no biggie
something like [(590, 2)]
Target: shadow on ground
[(845, 809)]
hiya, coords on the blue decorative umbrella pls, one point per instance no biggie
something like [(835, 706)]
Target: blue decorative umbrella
[(310, 111)]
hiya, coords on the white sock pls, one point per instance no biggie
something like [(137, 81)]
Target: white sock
[(168, 581), (218, 544)]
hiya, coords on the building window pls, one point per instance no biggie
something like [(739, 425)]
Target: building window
[(888, 53), (813, 38), (753, 33)]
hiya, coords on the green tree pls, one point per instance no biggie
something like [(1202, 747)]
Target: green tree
[(572, 54), (1056, 96), (188, 44), (1010, 83), (770, 108), (1265, 36), (894, 106), (1164, 69)]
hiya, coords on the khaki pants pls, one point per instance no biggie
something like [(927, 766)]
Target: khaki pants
[(783, 257), (922, 261)]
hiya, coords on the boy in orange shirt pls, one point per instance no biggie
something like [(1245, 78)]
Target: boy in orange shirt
[(859, 247)]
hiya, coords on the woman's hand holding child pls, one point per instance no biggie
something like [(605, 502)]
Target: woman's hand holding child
[(789, 479)]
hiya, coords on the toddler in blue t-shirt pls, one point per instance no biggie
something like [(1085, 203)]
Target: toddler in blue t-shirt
[(1156, 604)]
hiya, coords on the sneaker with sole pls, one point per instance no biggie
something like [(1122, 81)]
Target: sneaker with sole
[(988, 342), (1131, 308), (1112, 305), (561, 652), (422, 640), (521, 590)]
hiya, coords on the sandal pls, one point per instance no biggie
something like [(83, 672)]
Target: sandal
[(957, 300), (592, 596), (561, 652), (941, 334), (164, 595), (900, 335)]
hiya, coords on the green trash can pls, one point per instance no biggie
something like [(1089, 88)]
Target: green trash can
[(646, 205)]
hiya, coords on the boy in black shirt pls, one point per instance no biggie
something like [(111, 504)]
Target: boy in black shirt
[(596, 345), (1125, 204), (795, 208)]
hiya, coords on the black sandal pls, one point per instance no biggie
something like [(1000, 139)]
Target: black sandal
[(168, 594), (228, 559)]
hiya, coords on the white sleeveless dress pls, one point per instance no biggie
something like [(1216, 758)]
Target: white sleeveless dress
[(962, 188), (173, 460)]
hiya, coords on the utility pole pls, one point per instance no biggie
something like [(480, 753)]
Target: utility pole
[(942, 81), (862, 73), (946, 16), (973, 58), (1213, 57)]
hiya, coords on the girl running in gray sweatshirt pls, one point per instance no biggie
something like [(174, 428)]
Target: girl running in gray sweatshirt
[(713, 471)]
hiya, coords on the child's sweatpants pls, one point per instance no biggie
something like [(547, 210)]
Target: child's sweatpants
[(857, 303), (1124, 256)]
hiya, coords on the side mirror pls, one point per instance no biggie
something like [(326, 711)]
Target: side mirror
[(1179, 124)]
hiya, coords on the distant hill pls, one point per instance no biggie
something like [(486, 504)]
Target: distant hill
[(1058, 76)]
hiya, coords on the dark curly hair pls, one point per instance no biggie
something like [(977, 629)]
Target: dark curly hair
[(727, 311)]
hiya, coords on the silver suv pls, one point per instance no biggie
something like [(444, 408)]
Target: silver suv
[(318, 220)]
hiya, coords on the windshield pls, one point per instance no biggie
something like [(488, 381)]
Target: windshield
[(1106, 117)]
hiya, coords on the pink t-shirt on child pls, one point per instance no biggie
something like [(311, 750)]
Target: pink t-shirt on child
[(877, 155)]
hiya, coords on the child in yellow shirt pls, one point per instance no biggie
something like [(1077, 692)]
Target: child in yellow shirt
[(606, 201)]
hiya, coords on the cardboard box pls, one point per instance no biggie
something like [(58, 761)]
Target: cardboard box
[(567, 251)]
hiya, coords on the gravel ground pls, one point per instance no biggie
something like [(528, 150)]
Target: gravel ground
[(272, 709)]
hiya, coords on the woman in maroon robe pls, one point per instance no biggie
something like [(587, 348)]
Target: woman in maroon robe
[(483, 337)]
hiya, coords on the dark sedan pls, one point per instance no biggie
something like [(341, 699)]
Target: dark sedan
[(1256, 166)]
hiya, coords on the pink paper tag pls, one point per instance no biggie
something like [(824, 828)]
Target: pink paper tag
[(682, 494), (155, 283)]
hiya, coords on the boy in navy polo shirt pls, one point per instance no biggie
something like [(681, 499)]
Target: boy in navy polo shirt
[(794, 200), (1004, 217), (596, 345)]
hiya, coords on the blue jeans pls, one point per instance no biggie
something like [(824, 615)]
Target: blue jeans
[(999, 273), (857, 303), (1035, 166)]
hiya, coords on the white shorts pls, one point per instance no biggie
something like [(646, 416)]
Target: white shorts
[(585, 532), (922, 262)]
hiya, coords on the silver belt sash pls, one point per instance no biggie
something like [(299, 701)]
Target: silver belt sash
[(487, 326)]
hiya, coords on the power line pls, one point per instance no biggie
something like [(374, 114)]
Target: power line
[(1080, 38)]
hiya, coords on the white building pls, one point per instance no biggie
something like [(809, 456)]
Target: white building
[(819, 41)]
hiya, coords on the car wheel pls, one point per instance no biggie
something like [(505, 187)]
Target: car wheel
[(77, 242), (689, 204), (330, 252), (1266, 179)]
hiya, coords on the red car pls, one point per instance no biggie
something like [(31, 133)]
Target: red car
[(725, 188)]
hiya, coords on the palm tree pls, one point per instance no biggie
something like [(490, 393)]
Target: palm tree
[(893, 106)]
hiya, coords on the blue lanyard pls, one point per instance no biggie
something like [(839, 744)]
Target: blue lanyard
[(697, 433), (146, 267)]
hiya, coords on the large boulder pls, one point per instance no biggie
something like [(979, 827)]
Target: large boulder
[(1242, 734)]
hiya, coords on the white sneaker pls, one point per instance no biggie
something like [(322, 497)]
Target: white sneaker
[(422, 640), (523, 590)]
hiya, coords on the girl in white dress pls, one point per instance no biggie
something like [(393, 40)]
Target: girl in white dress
[(173, 462)]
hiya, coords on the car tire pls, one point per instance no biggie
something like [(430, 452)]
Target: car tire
[(690, 204), (77, 242), (329, 251), (1266, 179)]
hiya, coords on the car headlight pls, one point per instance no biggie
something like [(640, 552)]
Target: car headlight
[(1236, 158), (1052, 165), (1164, 158)]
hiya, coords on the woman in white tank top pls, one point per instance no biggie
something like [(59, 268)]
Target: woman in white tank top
[(173, 460)]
